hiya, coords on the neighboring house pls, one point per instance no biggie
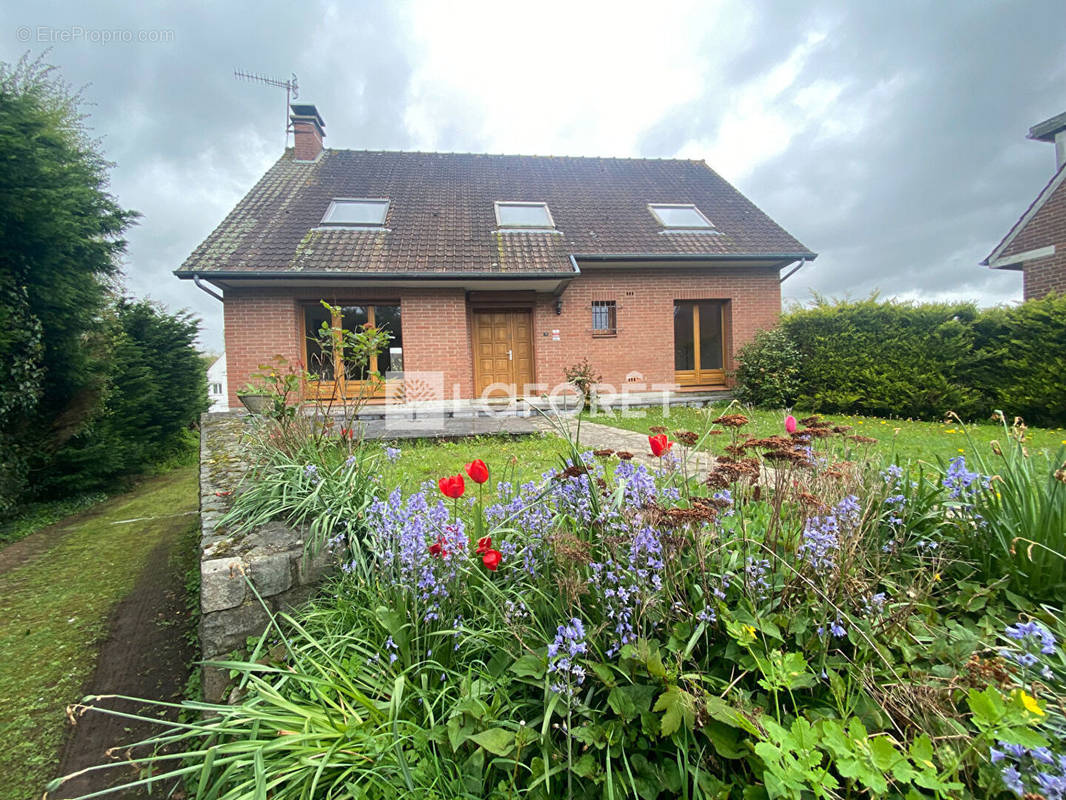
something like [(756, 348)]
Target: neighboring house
[(494, 273), (217, 390), (1036, 244)]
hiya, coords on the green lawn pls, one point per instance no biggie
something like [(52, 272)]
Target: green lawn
[(905, 440), (54, 610), (518, 459)]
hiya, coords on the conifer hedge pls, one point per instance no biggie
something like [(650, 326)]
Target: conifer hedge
[(890, 358)]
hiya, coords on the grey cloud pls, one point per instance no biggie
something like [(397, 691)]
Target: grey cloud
[(187, 139), (941, 168)]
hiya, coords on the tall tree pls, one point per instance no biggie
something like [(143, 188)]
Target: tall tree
[(60, 243)]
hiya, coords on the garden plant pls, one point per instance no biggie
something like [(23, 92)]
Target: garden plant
[(790, 624)]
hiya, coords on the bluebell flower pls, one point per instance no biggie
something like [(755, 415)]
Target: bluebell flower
[(958, 480), (393, 453), (1012, 779), (564, 656), (892, 474)]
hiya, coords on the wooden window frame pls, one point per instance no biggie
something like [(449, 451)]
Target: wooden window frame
[(612, 318), (315, 387)]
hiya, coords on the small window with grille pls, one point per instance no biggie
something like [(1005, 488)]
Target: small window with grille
[(604, 318)]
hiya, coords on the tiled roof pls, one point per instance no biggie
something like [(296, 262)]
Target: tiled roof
[(441, 218)]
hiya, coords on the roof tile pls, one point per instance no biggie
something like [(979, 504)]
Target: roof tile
[(441, 218)]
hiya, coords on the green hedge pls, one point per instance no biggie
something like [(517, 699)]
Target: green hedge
[(923, 360)]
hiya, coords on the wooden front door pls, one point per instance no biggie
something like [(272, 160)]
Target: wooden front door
[(699, 342), (503, 352)]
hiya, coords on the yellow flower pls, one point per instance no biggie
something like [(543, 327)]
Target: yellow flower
[(750, 630), (1030, 704), (961, 450), (936, 577)]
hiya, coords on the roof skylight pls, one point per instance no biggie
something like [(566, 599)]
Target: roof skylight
[(357, 212), (528, 216), (680, 216)]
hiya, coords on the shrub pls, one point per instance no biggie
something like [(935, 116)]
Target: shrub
[(884, 359), (914, 360), (583, 378), (768, 370), (1020, 360)]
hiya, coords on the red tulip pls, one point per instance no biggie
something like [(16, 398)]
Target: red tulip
[(437, 549), (452, 486), (484, 544), (347, 433), (477, 471), (659, 445), (491, 559), (790, 424)]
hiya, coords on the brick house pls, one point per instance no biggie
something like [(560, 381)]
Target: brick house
[(1036, 245), (493, 273)]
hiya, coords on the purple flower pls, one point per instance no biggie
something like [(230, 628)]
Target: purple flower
[(958, 480), (564, 655), (1012, 779), (820, 534)]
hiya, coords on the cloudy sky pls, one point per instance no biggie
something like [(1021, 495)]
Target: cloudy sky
[(887, 137)]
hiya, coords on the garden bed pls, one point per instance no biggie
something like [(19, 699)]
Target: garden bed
[(806, 620)]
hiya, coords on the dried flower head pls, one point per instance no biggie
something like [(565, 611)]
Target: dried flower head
[(860, 439), (606, 452), (687, 438), (625, 455), (657, 429), (732, 421)]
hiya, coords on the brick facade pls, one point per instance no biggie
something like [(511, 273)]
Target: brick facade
[(1047, 227), (437, 323)]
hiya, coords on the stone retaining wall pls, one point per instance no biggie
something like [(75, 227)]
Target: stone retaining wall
[(271, 557)]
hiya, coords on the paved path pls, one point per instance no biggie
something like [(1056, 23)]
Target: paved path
[(595, 436)]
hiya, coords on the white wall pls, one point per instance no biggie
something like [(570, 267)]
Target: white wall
[(216, 385)]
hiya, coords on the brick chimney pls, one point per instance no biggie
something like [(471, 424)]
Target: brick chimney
[(1052, 130), (307, 131)]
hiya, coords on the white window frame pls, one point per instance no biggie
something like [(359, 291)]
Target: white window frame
[(369, 225), (692, 206), (527, 204)]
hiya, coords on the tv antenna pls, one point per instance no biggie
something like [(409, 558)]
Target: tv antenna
[(291, 87)]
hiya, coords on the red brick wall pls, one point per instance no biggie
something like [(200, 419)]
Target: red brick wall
[(1045, 275), (437, 323), (261, 323), (645, 312), (1048, 227)]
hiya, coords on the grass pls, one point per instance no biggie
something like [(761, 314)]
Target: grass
[(902, 439), (31, 518), (518, 459), (54, 609)]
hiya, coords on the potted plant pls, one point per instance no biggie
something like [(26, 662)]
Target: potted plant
[(267, 394), (256, 399)]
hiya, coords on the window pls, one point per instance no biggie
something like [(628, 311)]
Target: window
[(604, 318), (680, 217), (216, 388), (356, 212), (524, 215), (324, 362)]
